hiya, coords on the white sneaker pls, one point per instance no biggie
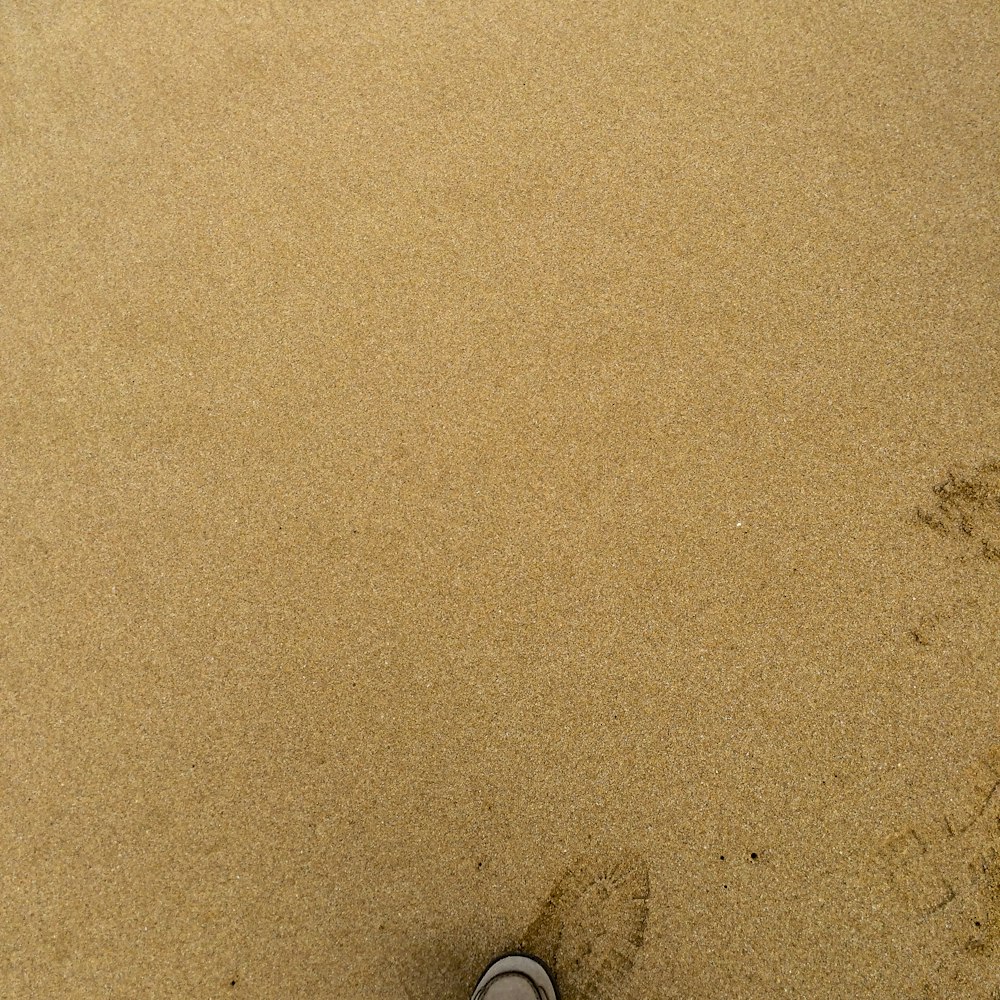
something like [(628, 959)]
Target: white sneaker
[(515, 977)]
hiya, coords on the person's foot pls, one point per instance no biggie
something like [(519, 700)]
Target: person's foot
[(515, 977)]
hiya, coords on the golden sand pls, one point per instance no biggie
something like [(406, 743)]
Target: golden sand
[(485, 475)]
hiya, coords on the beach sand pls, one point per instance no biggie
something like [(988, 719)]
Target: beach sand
[(481, 476)]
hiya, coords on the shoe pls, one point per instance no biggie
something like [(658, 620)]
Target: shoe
[(515, 977)]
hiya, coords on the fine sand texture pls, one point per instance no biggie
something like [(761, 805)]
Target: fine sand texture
[(480, 476)]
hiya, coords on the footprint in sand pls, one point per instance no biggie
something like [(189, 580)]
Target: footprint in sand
[(947, 871), (968, 507), (590, 931), (592, 926)]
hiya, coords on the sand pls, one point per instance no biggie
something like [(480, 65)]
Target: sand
[(479, 476)]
